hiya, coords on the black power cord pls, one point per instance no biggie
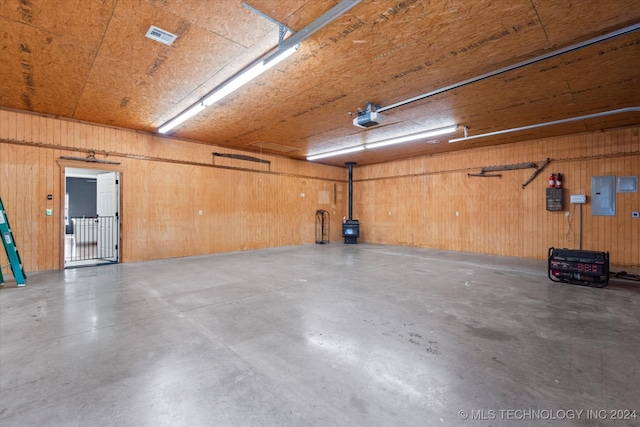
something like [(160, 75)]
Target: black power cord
[(624, 275)]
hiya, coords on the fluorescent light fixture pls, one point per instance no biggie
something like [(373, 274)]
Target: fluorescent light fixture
[(413, 137), (286, 48), (405, 138), (248, 75), (186, 115), (233, 84), (336, 153)]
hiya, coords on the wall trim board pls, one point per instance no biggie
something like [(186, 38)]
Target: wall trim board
[(439, 172), (475, 168), (134, 132), (108, 154), (68, 163), (146, 134)]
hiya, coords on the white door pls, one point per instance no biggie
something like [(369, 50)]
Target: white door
[(108, 226)]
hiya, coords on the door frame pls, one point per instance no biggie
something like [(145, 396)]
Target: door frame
[(66, 163)]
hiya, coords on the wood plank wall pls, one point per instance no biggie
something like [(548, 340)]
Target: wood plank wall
[(164, 184), (431, 202), (414, 202)]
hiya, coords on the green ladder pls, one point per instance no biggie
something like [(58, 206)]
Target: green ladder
[(10, 248)]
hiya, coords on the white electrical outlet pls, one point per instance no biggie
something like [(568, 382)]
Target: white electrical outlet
[(635, 214)]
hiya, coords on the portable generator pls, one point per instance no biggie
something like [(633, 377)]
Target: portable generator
[(589, 268)]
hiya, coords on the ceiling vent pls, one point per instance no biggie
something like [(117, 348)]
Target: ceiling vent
[(273, 147), (160, 35)]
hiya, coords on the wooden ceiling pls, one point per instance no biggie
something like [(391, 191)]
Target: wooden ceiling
[(91, 61)]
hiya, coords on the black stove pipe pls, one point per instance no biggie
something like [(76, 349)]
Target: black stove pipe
[(350, 166)]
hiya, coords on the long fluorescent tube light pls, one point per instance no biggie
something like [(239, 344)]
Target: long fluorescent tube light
[(413, 137), (397, 140), (186, 115), (336, 153), (286, 49), (247, 76), (232, 85)]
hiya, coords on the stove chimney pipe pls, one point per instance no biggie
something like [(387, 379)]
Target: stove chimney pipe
[(350, 166)]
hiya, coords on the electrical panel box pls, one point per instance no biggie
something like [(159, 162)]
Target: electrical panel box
[(603, 195), (554, 199), (578, 198), (627, 184)]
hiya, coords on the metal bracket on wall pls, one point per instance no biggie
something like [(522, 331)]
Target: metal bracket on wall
[(241, 157), (483, 175), (537, 171), (484, 170)]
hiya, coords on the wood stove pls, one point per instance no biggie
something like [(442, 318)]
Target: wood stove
[(350, 227)]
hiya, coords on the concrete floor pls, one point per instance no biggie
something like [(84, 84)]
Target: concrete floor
[(333, 334)]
